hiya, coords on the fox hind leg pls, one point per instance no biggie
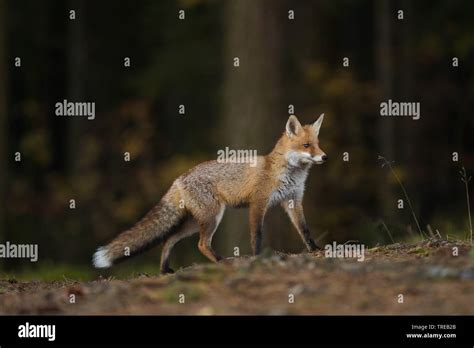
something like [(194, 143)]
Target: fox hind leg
[(188, 228), (207, 229)]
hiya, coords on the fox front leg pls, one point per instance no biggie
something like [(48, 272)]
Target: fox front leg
[(256, 217), (296, 214)]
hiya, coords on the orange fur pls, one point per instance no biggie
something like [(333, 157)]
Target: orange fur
[(197, 199)]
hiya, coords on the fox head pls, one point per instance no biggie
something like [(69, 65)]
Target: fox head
[(301, 143)]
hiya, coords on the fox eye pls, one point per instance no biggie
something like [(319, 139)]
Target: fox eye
[(306, 145)]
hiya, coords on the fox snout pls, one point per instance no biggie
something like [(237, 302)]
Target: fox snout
[(320, 159)]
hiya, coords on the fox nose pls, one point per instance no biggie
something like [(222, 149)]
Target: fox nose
[(324, 158)]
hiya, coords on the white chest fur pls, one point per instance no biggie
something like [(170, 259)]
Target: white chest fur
[(291, 186)]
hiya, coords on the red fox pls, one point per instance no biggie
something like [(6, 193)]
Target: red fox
[(197, 199)]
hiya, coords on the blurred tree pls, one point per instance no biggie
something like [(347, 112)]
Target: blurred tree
[(252, 89), (384, 79), (3, 117), (407, 141), (76, 80)]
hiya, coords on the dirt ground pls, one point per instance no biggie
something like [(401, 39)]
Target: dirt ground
[(431, 279)]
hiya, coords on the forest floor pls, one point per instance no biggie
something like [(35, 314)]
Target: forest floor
[(429, 277)]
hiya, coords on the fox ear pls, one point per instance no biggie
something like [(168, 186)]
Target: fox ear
[(317, 124), (293, 126)]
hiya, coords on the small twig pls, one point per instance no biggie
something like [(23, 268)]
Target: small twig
[(67, 280), (452, 238), (466, 180), (351, 241), (321, 237), (430, 231), (386, 162), (388, 231)]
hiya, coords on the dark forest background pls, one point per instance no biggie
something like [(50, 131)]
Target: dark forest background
[(282, 62)]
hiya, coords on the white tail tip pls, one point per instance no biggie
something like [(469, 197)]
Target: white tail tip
[(100, 258)]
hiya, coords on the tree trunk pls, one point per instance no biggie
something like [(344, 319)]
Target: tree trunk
[(75, 83), (3, 118), (384, 79), (251, 90)]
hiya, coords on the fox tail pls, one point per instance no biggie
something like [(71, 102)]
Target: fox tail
[(151, 230)]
